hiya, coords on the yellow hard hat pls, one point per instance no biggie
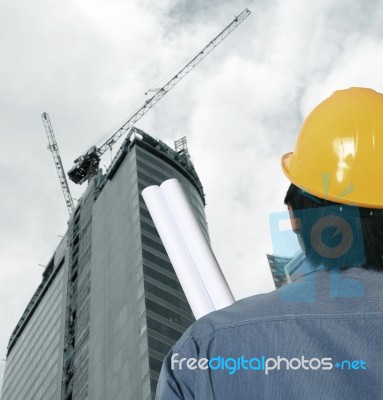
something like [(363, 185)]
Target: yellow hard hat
[(338, 155)]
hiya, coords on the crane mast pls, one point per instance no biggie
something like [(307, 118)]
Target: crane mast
[(87, 165), (53, 147)]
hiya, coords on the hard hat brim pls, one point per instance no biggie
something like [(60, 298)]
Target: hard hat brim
[(285, 163)]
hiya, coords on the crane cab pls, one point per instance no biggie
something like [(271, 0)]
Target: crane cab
[(85, 166)]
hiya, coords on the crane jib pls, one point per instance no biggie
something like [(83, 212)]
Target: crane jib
[(53, 147), (87, 165)]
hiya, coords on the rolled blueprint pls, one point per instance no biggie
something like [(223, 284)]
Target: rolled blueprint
[(199, 248), (189, 252), (177, 251)]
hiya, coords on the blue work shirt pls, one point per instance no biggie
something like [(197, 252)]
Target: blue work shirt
[(320, 337)]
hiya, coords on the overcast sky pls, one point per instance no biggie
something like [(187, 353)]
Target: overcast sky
[(88, 64)]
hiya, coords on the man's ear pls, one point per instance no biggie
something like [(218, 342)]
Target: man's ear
[(295, 222)]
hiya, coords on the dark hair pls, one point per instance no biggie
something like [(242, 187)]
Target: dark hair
[(366, 235)]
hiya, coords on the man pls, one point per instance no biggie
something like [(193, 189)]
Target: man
[(320, 337)]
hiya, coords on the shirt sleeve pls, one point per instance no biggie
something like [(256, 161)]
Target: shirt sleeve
[(175, 382)]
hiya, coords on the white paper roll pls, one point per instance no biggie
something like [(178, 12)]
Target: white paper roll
[(200, 250), (178, 253)]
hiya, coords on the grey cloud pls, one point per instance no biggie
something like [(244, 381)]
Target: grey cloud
[(185, 11)]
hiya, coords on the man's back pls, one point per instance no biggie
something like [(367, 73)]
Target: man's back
[(318, 338)]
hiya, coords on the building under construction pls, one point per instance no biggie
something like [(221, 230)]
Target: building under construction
[(110, 305), (285, 269)]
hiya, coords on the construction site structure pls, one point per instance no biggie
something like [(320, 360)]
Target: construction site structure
[(54, 149), (110, 305), (86, 166)]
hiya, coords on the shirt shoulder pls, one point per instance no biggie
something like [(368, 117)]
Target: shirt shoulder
[(290, 321), (318, 294)]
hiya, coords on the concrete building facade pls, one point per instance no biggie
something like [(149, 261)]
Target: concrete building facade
[(113, 306)]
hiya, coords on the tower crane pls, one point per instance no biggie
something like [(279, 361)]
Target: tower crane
[(87, 164), (53, 147)]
